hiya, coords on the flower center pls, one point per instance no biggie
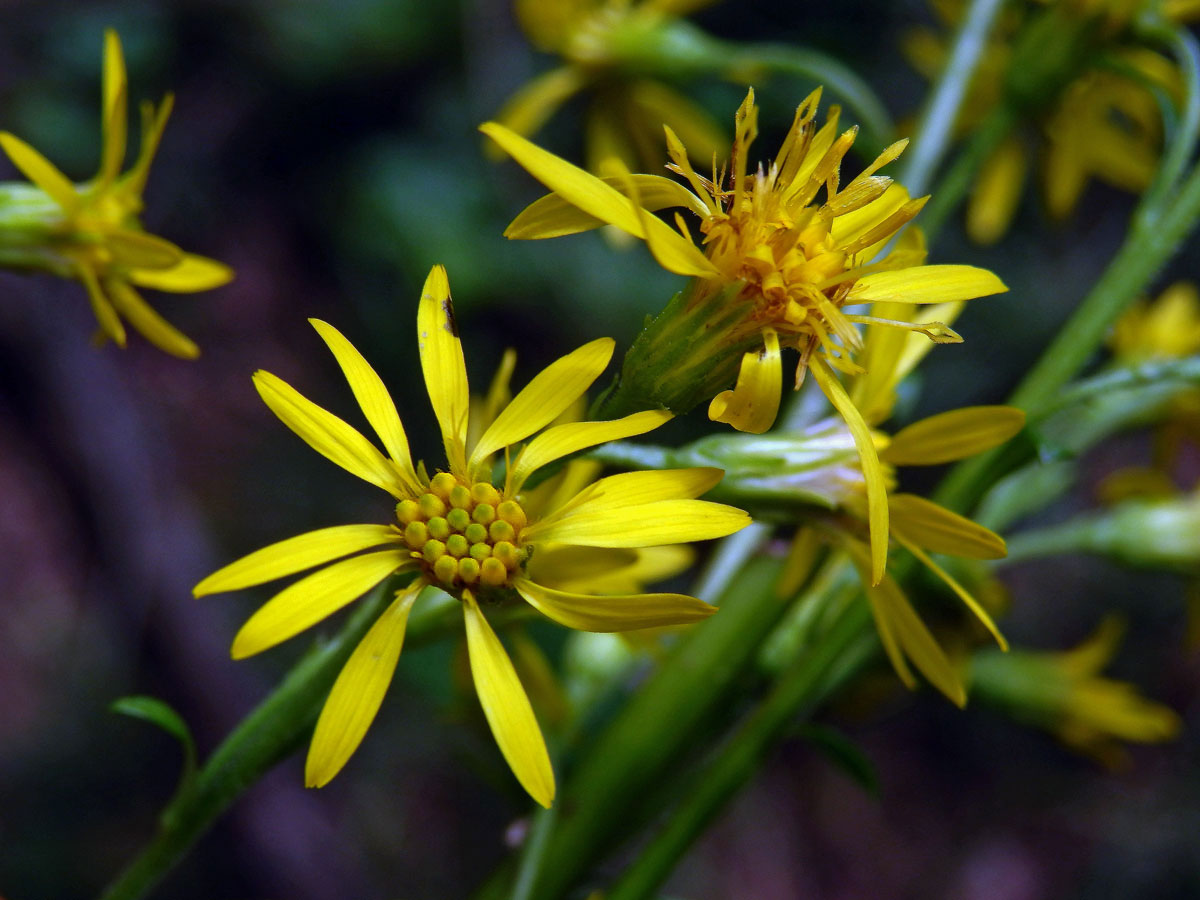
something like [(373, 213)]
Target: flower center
[(463, 534)]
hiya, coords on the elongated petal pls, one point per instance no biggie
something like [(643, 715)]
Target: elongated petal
[(552, 216), (40, 171), (294, 555), (579, 188), (314, 597), (358, 692), (550, 392), (536, 101), (443, 365), (996, 192), (877, 500), (754, 402), (905, 635), (138, 250), (563, 440), (114, 121), (627, 612), (327, 434), (507, 707), (963, 594), (670, 249), (102, 307), (953, 435), (193, 273), (926, 284), (662, 522), (555, 565), (154, 121), (148, 323), (936, 528), (373, 398), (631, 489)]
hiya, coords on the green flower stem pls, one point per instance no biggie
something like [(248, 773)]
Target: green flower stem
[(1072, 536), (935, 128), (266, 736), (604, 796), (795, 694)]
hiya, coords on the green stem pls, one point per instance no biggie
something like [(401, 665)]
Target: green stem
[(935, 128), (262, 739), (795, 694), (535, 852)]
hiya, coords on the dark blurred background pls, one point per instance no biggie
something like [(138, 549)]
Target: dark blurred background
[(328, 152)]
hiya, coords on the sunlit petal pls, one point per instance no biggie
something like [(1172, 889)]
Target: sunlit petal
[(754, 402), (926, 284), (443, 365)]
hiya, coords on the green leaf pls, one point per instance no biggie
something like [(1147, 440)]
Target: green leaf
[(157, 712), (843, 753)]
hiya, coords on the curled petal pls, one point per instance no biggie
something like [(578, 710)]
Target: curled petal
[(754, 402)]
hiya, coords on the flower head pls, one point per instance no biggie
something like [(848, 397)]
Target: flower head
[(482, 541), (1066, 694), (778, 268), (608, 50), (91, 231)]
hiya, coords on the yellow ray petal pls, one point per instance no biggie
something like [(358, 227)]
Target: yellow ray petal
[(926, 284), (374, 399), (358, 692), (552, 216), (997, 192), (40, 171), (191, 274), (754, 402), (328, 435), (563, 440), (670, 249), (550, 392), (573, 184), (904, 634), (661, 522), (632, 489), (507, 707), (953, 435), (936, 528), (854, 224), (294, 555), (443, 366), (556, 565), (877, 500), (626, 612), (314, 597), (114, 114), (527, 110), (138, 250), (963, 594), (102, 307), (148, 323), (154, 121)]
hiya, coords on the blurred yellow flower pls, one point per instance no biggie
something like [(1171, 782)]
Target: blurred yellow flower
[(1102, 122), (471, 538), (1066, 694), (792, 264), (91, 232), (628, 110), (1167, 328)]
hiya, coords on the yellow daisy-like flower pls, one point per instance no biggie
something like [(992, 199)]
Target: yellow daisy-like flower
[(782, 267), (627, 111), (1066, 694), (1167, 328), (478, 541), (833, 476), (91, 231)]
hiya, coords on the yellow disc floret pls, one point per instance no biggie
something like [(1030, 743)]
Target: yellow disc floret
[(464, 534)]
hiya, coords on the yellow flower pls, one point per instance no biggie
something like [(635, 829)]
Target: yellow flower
[(627, 110), (781, 266), (1065, 694), (91, 231), (1103, 123), (834, 477), (471, 538), (1167, 328)]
